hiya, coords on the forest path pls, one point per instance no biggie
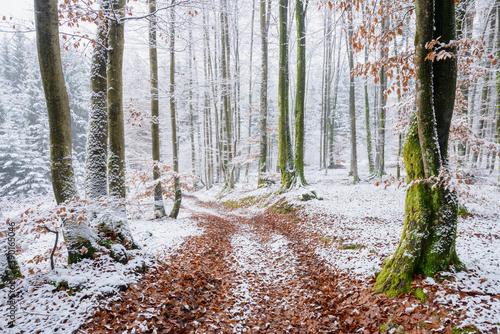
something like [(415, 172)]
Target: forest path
[(250, 272)]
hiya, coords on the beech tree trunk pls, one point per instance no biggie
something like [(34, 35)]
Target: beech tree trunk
[(80, 240), (96, 181), (427, 245), (283, 84), (265, 12), (371, 167), (352, 106), (114, 221), (250, 87), (175, 145), (158, 207), (300, 14), (382, 111)]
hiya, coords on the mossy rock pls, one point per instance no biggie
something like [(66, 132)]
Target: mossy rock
[(65, 286), (232, 204), (283, 208), (309, 196)]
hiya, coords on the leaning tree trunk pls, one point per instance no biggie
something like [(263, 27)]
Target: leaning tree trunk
[(96, 181), (80, 240), (114, 221), (300, 12), (159, 209), (427, 245), (175, 145), (286, 174), (264, 29)]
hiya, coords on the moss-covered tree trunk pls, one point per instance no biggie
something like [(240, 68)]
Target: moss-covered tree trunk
[(427, 245), (175, 145), (80, 240), (114, 221), (159, 208), (96, 180), (264, 28), (283, 84), (300, 15)]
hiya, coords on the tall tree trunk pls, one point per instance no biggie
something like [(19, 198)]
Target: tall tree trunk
[(226, 97), (80, 240), (352, 107), (114, 222), (175, 145), (250, 87), (371, 167), (485, 96), (159, 209), (115, 103), (96, 181), (382, 109), (191, 109), (300, 12), (283, 84), (209, 150), (265, 11), (237, 88), (427, 245), (465, 20)]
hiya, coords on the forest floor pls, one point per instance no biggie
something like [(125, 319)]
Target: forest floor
[(254, 261)]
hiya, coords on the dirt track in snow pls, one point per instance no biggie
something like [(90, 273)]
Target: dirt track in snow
[(254, 273)]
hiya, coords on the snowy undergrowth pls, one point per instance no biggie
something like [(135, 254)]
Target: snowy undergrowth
[(43, 309)]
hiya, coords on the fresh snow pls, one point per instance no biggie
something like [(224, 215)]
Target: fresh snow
[(44, 310)]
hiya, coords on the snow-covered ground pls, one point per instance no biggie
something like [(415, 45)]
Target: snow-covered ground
[(366, 216), (42, 309), (370, 218)]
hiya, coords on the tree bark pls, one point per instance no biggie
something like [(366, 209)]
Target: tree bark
[(158, 207), (283, 84), (96, 181), (175, 145), (114, 222), (427, 245), (352, 106), (77, 237), (300, 12), (115, 103), (265, 11), (250, 87), (382, 106)]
